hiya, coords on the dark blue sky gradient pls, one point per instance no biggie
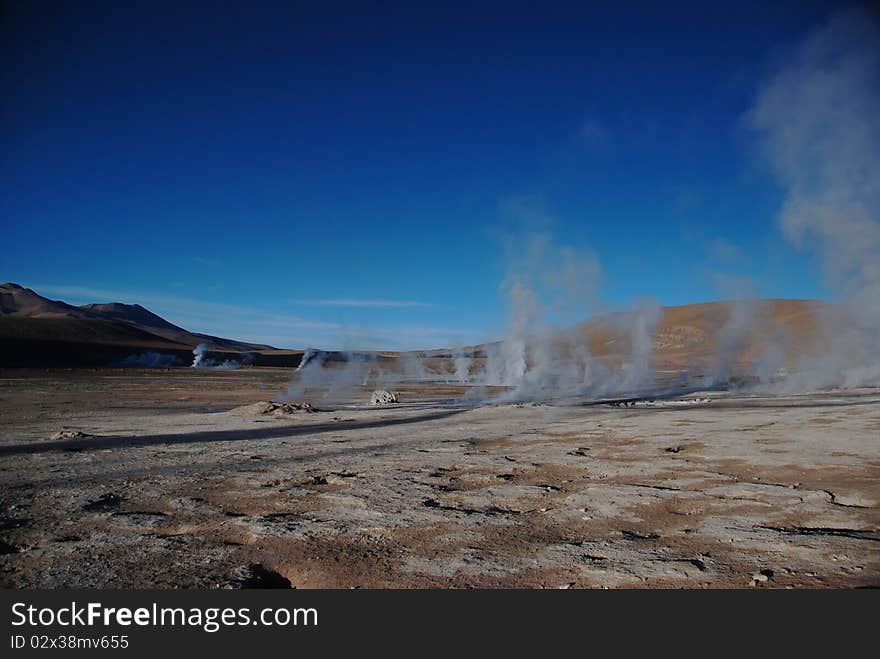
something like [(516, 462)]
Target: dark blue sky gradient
[(319, 168)]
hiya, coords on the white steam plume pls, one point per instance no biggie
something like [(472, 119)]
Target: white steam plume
[(546, 285), (819, 118), (199, 355), (200, 359)]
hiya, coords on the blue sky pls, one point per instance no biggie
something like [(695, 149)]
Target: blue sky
[(346, 175)]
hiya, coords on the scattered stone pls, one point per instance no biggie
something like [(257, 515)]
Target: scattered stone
[(273, 408), (330, 479), (68, 434), (383, 397), (762, 577)]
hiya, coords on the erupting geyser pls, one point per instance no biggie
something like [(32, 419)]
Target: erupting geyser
[(199, 355)]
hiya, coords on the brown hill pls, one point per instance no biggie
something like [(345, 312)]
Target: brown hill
[(16, 300), (729, 336), (693, 333)]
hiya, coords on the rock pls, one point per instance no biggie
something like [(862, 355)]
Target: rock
[(255, 409), (272, 408), (383, 397), (281, 409), (68, 434), (761, 577)]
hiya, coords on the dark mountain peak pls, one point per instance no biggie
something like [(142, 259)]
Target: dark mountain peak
[(18, 300), (26, 313), (129, 313)]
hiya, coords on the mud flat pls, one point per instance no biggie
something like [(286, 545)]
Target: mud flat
[(163, 483)]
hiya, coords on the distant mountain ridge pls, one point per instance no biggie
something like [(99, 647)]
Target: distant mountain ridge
[(32, 322), (130, 313), (15, 300), (37, 331)]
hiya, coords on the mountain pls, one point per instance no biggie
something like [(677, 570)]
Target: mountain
[(134, 314), (695, 336), (696, 330), (36, 331), (16, 300), (137, 316)]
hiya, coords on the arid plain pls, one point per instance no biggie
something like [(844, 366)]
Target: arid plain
[(174, 478)]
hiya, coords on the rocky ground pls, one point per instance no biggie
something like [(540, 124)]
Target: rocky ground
[(176, 479)]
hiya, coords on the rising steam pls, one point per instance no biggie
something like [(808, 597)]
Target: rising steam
[(818, 124), (819, 120), (201, 360), (199, 355)]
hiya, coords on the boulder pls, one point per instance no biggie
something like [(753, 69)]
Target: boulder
[(68, 434), (272, 408), (383, 397)]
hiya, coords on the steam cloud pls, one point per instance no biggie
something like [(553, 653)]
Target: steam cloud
[(818, 121), (201, 360), (819, 118), (199, 355), (544, 281)]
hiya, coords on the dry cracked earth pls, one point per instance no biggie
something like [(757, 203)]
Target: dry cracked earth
[(163, 482)]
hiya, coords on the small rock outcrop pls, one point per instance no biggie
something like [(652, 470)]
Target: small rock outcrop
[(383, 397), (68, 434), (272, 408)]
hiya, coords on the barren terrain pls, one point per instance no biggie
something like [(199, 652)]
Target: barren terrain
[(173, 478)]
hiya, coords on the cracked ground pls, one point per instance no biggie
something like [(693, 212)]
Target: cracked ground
[(171, 483)]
